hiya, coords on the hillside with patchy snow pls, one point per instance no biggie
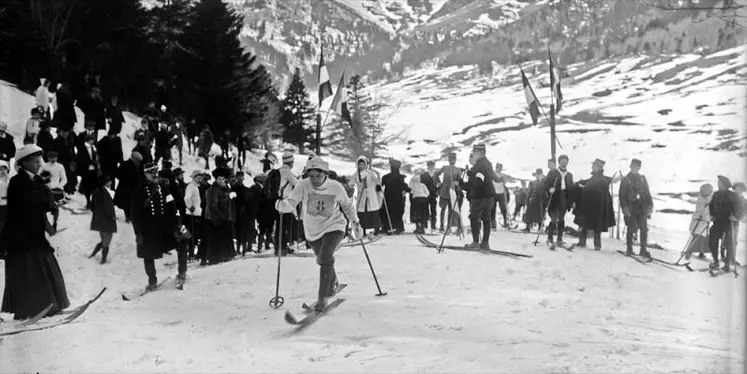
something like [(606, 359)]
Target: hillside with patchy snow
[(683, 116)]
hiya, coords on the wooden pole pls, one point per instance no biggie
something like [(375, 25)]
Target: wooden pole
[(552, 132)]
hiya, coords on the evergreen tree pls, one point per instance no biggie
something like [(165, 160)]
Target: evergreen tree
[(212, 39), (296, 114)]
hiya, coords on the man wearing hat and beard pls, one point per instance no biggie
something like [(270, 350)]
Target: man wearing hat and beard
[(637, 206), (33, 277), (327, 210), (480, 194), (725, 209), (449, 187), (395, 188), (594, 210), (153, 215)]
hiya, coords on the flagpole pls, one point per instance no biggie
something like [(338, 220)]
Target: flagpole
[(552, 109), (542, 109), (319, 107)]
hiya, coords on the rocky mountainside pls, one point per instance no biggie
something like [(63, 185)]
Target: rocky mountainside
[(386, 38)]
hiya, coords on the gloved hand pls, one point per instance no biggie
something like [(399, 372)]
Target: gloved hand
[(626, 211), (232, 195), (191, 209), (378, 188), (480, 176), (552, 189), (357, 230)]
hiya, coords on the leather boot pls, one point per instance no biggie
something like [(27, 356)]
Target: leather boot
[(485, 244), (95, 250), (104, 253), (326, 280)]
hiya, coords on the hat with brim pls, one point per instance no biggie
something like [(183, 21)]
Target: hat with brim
[(178, 171), (479, 147), (599, 163), (635, 162), (724, 181), (537, 172), (317, 163), (196, 173), (221, 172), (28, 151)]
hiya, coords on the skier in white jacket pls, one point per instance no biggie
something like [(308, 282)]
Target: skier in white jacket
[(324, 222)]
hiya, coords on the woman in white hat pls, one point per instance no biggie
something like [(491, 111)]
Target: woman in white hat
[(324, 222), (33, 277)]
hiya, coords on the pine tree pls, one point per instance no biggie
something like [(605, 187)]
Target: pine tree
[(296, 114), (212, 39)]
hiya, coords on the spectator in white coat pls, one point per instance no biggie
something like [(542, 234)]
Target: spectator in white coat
[(57, 182), (44, 97), (192, 203)]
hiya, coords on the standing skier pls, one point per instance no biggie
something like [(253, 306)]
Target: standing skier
[(394, 197), (558, 183), (451, 175), (33, 276), (434, 185), (637, 206), (536, 202), (501, 197), (324, 221), (480, 194), (725, 209)]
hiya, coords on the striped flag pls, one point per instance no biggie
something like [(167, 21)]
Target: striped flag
[(555, 84), (325, 86), (531, 98), (340, 101)]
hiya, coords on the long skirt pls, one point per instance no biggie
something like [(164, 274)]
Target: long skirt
[(33, 281), (370, 220), (219, 242)]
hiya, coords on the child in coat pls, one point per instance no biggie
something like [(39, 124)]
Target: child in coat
[(418, 202), (103, 220), (699, 223)]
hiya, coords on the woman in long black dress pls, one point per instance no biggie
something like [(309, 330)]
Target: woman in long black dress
[(33, 279)]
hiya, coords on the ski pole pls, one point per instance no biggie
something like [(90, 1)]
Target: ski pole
[(549, 200), (689, 240), (363, 245), (278, 301), (389, 218)]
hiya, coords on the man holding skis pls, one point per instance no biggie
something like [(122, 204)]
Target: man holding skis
[(323, 221)]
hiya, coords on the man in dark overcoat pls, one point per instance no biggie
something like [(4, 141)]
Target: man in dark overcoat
[(594, 209), (153, 215)]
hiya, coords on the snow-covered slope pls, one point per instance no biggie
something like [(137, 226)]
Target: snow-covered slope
[(683, 116)]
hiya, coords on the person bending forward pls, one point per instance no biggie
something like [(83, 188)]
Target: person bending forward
[(323, 220)]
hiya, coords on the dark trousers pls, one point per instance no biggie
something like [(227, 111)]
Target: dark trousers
[(721, 232), (585, 233), (518, 208), (634, 223), (150, 270), (557, 217), (285, 236), (432, 211), (242, 158), (182, 254), (195, 227), (480, 214), (500, 202), (324, 249)]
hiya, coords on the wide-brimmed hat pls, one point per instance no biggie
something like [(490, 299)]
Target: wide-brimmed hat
[(28, 150)]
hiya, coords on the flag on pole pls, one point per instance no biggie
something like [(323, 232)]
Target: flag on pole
[(325, 86), (340, 101), (531, 98), (555, 84)]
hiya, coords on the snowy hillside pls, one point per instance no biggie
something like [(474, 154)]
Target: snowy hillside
[(682, 116)]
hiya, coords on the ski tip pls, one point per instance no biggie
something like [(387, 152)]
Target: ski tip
[(124, 298), (290, 318)]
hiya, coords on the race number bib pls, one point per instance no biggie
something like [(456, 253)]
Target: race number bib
[(320, 205)]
